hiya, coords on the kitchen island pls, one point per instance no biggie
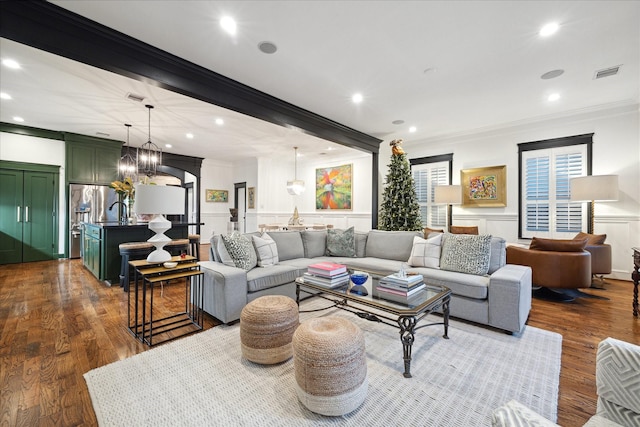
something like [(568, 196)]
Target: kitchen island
[(100, 241)]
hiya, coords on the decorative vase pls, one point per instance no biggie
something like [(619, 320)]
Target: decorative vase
[(358, 280)]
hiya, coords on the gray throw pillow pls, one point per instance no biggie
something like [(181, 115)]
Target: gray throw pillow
[(341, 242), (266, 250), (314, 242), (241, 251), (466, 253)]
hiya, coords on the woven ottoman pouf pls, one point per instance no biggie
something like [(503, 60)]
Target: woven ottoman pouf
[(267, 325), (330, 365)]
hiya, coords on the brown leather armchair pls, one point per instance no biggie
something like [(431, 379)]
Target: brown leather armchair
[(557, 266), (600, 256)]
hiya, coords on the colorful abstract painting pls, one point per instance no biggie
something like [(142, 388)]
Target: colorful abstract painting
[(333, 187), (483, 187), (217, 196)]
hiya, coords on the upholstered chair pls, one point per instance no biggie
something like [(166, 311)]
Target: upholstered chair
[(600, 257), (457, 229)]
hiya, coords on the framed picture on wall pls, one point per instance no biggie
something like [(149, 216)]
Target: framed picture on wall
[(251, 198), (333, 187), (484, 187), (217, 196)]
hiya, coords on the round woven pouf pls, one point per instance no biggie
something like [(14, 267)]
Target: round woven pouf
[(267, 325), (330, 365)]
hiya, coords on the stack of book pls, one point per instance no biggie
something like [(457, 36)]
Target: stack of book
[(327, 274), (399, 288)]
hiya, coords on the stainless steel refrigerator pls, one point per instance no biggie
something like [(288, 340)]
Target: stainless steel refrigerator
[(89, 203)]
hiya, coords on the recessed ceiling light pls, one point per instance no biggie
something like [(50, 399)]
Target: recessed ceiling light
[(553, 97), (10, 63), (397, 122), (219, 122), (168, 145), (267, 47), (229, 25), (190, 135), (329, 148), (549, 29), (357, 98), (552, 74), (412, 129), (18, 119), (4, 95)]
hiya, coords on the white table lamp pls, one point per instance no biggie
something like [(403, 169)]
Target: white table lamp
[(448, 195), (159, 200), (594, 188)]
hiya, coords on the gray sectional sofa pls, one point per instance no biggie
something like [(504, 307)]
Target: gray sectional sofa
[(501, 298)]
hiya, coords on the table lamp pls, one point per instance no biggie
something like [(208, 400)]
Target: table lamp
[(448, 195), (159, 200), (594, 188)]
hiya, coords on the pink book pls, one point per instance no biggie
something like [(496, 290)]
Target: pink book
[(327, 268)]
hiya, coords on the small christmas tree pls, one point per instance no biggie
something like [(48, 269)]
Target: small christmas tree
[(400, 209)]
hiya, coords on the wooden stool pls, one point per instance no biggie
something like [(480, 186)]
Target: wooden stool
[(194, 246), (267, 325), (131, 251), (330, 365)]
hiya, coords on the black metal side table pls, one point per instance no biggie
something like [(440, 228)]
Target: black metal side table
[(140, 300)]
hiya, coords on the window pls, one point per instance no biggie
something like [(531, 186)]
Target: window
[(428, 172), (546, 167)]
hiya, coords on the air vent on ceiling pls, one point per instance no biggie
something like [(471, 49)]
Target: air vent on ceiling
[(607, 72), (134, 97), (103, 134)]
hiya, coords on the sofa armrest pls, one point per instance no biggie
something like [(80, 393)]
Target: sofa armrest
[(225, 290), (510, 297), (618, 380)]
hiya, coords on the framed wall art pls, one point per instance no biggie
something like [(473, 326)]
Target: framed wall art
[(333, 187), (217, 196), (251, 198), (484, 187)]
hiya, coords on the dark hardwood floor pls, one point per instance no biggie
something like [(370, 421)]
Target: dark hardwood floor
[(58, 322)]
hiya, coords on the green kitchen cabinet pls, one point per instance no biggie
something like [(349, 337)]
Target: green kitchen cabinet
[(28, 212), (91, 249), (90, 161)]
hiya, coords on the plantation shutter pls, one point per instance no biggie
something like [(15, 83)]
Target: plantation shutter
[(426, 177)]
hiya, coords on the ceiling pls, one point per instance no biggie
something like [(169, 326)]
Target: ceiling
[(445, 67)]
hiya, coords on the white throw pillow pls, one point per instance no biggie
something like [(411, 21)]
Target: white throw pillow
[(426, 252), (266, 250)]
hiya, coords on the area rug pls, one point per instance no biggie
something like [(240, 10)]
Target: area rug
[(204, 380)]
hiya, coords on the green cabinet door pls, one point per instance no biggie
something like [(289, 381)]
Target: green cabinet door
[(81, 163), (11, 196), (92, 161), (106, 164)]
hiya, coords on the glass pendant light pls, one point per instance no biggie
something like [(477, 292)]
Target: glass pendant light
[(296, 186)]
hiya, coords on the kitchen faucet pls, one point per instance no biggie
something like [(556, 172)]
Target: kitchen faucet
[(123, 220)]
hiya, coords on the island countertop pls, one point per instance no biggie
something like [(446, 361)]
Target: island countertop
[(116, 224)]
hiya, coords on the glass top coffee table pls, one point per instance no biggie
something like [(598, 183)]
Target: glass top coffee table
[(373, 308)]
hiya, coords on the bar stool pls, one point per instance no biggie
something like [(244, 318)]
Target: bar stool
[(194, 246), (177, 247), (131, 251)]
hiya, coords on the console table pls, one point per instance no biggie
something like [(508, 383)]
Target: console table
[(636, 278), (148, 275)]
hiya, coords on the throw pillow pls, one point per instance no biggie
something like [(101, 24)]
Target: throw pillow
[(266, 250), (221, 254), (592, 239), (241, 251), (466, 253), (341, 242), (558, 245), (426, 252)]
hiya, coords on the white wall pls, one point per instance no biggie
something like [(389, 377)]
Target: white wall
[(29, 149), (616, 150)]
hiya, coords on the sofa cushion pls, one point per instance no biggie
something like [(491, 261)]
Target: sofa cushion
[(462, 284), (592, 239), (264, 278), (266, 250), (466, 253), (220, 253), (341, 242), (241, 250), (289, 244), (498, 254), (394, 245), (314, 243), (558, 245), (426, 252), (361, 243)]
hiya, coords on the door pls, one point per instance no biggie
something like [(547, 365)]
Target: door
[(240, 203), (28, 211)]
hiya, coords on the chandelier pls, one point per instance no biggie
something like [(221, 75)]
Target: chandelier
[(127, 164), (295, 187), (149, 155)]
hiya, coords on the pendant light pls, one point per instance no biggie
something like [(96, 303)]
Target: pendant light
[(149, 155), (295, 187), (127, 165)]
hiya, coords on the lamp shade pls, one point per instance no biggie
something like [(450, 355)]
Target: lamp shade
[(295, 187), (448, 194), (601, 188), (159, 199)]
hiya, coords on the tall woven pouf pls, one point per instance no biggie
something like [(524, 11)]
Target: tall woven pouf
[(330, 365), (267, 325)]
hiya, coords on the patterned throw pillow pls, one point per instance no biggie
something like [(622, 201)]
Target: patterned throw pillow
[(266, 250), (341, 242), (241, 250), (466, 253), (426, 252)]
